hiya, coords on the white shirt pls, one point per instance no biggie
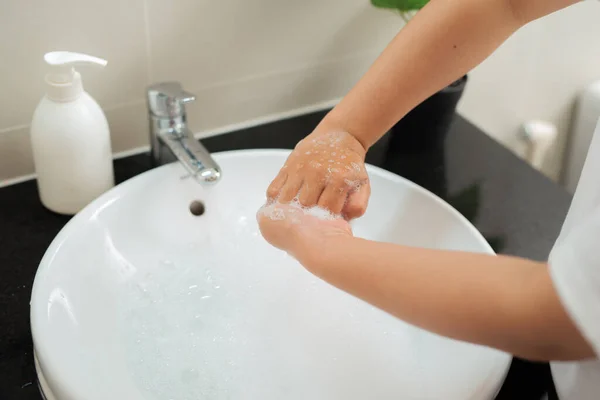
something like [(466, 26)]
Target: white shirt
[(575, 271)]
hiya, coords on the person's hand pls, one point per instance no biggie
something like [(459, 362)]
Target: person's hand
[(298, 231), (325, 169)]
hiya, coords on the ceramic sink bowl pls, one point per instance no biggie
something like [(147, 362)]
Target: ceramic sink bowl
[(138, 298)]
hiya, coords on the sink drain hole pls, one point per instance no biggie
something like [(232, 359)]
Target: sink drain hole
[(197, 208)]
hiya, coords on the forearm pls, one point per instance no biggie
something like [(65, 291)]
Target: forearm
[(502, 302), (445, 40)]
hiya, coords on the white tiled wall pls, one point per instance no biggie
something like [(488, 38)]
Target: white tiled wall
[(248, 59), (243, 59)]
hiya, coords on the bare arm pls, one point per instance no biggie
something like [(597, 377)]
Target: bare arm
[(502, 302), (445, 40), (440, 44)]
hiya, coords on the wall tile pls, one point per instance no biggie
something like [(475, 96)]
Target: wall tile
[(128, 127), (241, 101), (568, 60), (16, 158), (537, 74), (112, 29), (496, 95), (205, 43)]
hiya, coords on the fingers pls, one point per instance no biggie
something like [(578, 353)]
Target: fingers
[(276, 186), (357, 202), (310, 193), (290, 189), (334, 197), (326, 172)]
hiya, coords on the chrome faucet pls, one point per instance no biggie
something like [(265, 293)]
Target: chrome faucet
[(171, 139)]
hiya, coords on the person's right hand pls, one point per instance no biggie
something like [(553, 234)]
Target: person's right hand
[(325, 169)]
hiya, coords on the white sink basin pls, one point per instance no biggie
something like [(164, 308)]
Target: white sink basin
[(137, 298)]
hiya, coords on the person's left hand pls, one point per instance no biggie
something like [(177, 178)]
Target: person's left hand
[(296, 231)]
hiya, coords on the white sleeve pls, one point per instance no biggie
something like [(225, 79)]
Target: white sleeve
[(575, 271)]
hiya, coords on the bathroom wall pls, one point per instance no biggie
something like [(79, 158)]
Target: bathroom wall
[(249, 60), (537, 74), (243, 59)]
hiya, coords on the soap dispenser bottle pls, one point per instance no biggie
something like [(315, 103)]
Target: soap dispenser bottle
[(70, 138)]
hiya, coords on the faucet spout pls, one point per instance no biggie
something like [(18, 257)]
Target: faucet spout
[(170, 137), (192, 155)]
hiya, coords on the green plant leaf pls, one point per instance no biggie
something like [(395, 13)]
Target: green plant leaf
[(401, 5)]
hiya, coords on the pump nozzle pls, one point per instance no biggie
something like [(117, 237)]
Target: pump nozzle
[(64, 83), (63, 63)]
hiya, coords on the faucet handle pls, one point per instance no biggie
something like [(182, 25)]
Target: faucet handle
[(167, 99)]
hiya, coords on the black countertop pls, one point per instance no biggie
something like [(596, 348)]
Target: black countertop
[(517, 209)]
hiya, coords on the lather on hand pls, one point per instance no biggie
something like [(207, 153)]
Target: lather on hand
[(325, 169)]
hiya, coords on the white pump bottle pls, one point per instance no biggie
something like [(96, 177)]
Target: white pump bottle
[(70, 138)]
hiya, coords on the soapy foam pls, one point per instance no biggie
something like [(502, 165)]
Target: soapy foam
[(276, 212), (356, 167), (354, 185)]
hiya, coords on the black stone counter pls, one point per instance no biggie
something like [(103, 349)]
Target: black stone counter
[(517, 209)]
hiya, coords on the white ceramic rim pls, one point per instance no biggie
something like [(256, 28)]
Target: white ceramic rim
[(43, 386)]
